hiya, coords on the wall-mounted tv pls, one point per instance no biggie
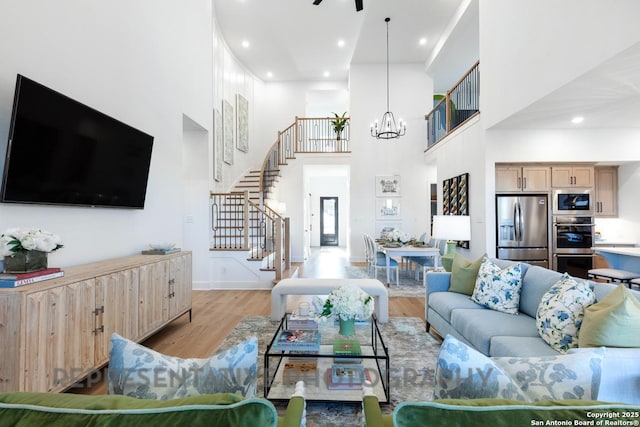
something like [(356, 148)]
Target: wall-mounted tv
[(63, 152)]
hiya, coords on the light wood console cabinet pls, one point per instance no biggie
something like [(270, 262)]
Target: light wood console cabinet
[(55, 333)]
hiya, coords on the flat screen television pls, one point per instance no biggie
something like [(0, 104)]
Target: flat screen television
[(63, 152)]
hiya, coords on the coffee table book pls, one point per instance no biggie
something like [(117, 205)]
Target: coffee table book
[(29, 278), (341, 377), (347, 347), (297, 340)]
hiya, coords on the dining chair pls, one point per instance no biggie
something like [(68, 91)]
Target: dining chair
[(427, 263), (379, 260), (368, 255)]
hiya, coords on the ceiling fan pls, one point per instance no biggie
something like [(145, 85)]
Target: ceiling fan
[(358, 4)]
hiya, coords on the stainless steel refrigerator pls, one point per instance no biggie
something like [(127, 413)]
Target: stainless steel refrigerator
[(522, 228)]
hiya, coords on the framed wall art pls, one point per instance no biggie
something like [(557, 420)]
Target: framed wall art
[(387, 185), (455, 198), (217, 145), (242, 123), (227, 132), (387, 208)]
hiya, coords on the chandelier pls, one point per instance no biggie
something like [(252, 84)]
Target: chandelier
[(387, 128)]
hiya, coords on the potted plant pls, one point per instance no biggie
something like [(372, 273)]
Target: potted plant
[(338, 124)]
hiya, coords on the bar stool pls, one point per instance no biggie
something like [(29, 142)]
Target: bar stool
[(614, 275), (634, 282)]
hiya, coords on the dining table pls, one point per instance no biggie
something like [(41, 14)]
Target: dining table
[(409, 251)]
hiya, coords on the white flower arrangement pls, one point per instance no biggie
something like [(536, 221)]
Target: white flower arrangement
[(16, 240), (348, 302), (397, 235)]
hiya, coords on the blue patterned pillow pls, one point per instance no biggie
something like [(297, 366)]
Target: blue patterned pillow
[(561, 310), (137, 371), (464, 373), (497, 288)]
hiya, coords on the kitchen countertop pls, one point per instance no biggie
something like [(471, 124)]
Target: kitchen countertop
[(613, 243), (635, 252)]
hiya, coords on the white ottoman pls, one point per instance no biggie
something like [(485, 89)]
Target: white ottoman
[(287, 287)]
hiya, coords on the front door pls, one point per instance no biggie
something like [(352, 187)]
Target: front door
[(328, 221)]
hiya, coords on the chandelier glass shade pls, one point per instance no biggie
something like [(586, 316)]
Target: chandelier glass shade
[(388, 128)]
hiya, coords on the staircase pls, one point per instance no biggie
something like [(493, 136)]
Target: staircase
[(242, 220)]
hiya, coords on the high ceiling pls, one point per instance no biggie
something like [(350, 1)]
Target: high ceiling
[(297, 40)]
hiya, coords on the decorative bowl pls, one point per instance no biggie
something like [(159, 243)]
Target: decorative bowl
[(161, 246)]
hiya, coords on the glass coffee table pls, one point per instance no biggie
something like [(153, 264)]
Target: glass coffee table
[(282, 369)]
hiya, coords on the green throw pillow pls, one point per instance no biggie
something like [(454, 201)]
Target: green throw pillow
[(612, 322), (464, 274)]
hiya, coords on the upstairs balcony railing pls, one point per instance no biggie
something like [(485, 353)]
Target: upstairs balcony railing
[(457, 106), (305, 135)]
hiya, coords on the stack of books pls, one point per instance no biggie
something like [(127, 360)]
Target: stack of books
[(14, 280), (299, 370), (298, 340), (301, 322), (347, 347), (346, 377)]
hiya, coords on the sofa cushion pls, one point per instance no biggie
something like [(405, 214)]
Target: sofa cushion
[(497, 288), (612, 322), (76, 410), (445, 302), (535, 283), (504, 412), (479, 326), (464, 274), (462, 372), (508, 346), (561, 311), (137, 371)]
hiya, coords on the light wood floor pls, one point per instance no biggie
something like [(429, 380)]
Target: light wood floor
[(216, 313)]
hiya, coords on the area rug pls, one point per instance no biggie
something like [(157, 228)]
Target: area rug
[(408, 287), (412, 354)]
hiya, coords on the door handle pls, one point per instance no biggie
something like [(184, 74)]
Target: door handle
[(524, 183)]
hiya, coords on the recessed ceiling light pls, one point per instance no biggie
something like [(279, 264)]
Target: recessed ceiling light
[(326, 74), (577, 119), (340, 43), (423, 41), (245, 44), (269, 74)]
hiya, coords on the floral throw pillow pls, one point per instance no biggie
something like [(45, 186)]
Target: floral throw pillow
[(497, 288), (137, 371), (464, 373), (561, 311)]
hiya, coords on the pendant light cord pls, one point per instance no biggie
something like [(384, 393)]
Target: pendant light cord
[(387, 21)]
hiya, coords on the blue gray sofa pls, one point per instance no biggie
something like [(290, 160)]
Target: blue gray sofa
[(498, 334)]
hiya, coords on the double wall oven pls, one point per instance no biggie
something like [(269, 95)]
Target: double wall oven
[(573, 231)]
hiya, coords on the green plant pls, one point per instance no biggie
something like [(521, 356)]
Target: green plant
[(338, 123)]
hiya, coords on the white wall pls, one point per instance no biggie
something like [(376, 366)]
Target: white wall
[(146, 63), (409, 87), (528, 49)]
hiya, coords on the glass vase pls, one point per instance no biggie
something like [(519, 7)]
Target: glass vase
[(25, 262), (347, 327)]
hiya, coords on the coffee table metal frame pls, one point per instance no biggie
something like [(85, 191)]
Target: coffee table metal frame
[(375, 358)]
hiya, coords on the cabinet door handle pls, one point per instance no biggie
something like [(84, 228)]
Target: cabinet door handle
[(524, 183), (519, 183)]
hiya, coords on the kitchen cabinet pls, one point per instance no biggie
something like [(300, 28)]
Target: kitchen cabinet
[(572, 176), (55, 333), (522, 178), (606, 191)]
